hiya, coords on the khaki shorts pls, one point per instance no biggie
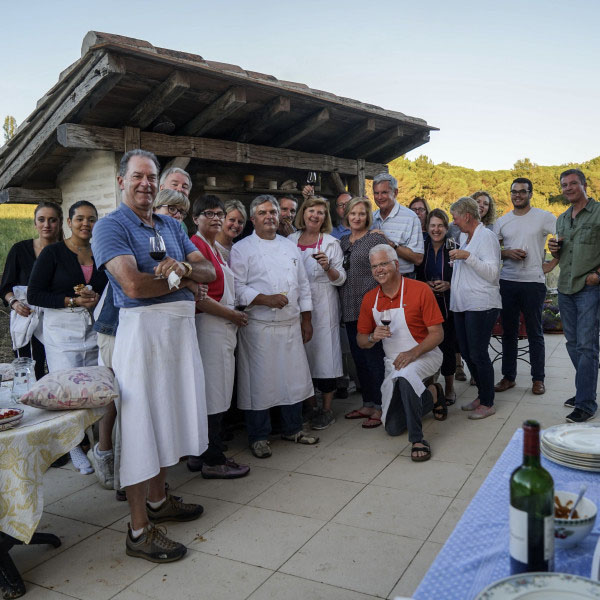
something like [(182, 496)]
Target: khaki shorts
[(106, 345)]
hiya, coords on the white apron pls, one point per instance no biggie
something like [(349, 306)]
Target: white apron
[(69, 338), (402, 341), (217, 339), (159, 370), (323, 351)]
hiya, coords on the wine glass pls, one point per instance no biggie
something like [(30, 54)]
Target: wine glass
[(451, 245), (311, 179), (386, 318), (524, 259), (158, 250)]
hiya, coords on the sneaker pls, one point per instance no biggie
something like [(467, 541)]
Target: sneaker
[(173, 509), (579, 416), (301, 438), (230, 470), (104, 467), (154, 545), (323, 420), (80, 461), (471, 405), (481, 412), (261, 449), (570, 403)]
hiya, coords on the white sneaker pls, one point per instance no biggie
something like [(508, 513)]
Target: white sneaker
[(80, 462), (104, 467)]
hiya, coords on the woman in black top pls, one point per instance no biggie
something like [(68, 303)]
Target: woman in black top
[(359, 280), (69, 338), (436, 271), (48, 220)]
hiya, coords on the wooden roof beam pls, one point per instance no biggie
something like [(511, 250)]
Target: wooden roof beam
[(71, 135), (17, 195), (224, 106), (161, 97), (359, 132), (300, 130), (389, 137), (100, 79), (266, 116), (403, 146)]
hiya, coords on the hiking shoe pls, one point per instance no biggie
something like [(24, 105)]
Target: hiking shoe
[(301, 438), (230, 470), (579, 416), (103, 466), (309, 414), (570, 403), (261, 449), (323, 420), (173, 509), (154, 545)]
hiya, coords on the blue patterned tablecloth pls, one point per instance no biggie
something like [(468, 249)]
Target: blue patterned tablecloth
[(476, 553)]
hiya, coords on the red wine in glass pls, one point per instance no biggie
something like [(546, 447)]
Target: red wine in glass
[(386, 318), (241, 307), (158, 250), (158, 256)]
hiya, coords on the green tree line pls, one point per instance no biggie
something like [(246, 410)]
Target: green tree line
[(444, 183)]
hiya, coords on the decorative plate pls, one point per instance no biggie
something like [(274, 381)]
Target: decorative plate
[(579, 438), (541, 586)]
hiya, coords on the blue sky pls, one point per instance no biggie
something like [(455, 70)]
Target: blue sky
[(502, 80)]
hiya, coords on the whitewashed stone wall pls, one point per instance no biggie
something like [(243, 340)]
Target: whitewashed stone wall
[(91, 176)]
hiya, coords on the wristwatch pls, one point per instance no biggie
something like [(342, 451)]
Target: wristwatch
[(72, 303), (188, 268), (370, 338), (394, 245)]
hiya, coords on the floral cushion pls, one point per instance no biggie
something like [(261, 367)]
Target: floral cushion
[(82, 387)]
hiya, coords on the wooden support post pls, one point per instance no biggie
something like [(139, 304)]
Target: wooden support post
[(161, 97), (131, 138), (16, 195), (338, 184), (356, 185), (220, 109)]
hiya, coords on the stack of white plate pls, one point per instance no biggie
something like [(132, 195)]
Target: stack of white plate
[(575, 445)]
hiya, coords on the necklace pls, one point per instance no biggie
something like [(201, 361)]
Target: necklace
[(74, 247)]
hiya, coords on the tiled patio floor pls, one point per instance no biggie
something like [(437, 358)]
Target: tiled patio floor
[(351, 518)]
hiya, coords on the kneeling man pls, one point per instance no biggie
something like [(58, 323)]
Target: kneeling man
[(403, 314)]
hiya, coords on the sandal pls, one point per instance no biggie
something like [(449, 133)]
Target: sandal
[(356, 414), (425, 448), (460, 374), (450, 400), (372, 422), (440, 410)]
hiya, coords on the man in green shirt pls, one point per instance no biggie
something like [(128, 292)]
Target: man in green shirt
[(577, 246)]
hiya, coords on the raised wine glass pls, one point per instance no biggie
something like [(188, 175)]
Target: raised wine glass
[(311, 179), (451, 245), (386, 318), (158, 250)]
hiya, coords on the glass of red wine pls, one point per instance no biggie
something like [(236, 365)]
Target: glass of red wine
[(158, 250), (311, 179), (386, 318)]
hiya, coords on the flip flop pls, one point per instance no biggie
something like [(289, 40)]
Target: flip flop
[(356, 414), (426, 449), (372, 423)]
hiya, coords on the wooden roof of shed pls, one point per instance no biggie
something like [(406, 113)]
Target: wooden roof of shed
[(121, 82)]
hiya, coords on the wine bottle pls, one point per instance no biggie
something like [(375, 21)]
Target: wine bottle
[(531, 519)]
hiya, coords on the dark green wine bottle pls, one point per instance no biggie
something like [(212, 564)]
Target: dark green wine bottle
[(531, 518)]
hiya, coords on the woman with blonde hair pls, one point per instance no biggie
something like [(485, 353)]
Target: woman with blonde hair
[(233, 226), (322, 257), (172, 203), (359, 280)]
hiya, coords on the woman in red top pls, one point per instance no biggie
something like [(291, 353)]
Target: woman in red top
[(216, 326)]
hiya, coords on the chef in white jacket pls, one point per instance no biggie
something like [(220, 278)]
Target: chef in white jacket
[(272, 367), (323, 258)]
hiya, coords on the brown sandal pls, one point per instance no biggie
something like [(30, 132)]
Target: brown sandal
[(425, 448), (440, 410)]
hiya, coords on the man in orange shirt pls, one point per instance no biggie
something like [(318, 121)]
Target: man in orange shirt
[(402, 313)]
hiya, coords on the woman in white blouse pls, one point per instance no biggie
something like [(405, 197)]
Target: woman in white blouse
[(475, 300), (322, 256)]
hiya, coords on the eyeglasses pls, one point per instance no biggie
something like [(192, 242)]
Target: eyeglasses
[(173, 210), (419, 210), (343, 204), (346, 263), (211, 214), (381, 264), (519, 192)]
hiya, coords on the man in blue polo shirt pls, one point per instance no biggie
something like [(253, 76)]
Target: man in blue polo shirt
[(156, 358), (398, 224)]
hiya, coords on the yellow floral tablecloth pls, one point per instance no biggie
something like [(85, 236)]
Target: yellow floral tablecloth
[(26, 452)]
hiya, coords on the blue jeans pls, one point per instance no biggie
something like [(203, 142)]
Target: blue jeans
[(579, 313), (473, 330), (258, 422), (370, 368), (527, 298)]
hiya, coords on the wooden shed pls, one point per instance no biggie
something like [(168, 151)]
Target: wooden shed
[(213, 119)]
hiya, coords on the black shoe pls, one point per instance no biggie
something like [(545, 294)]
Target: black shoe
[(570, 403), (579, 416), (341, 393)]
